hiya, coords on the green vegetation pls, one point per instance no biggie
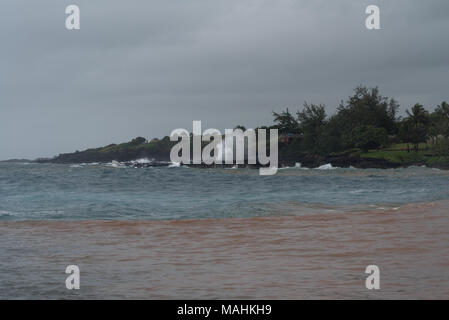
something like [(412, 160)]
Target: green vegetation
[(399, 154), (366, 126), (135, 149), (365, 130)]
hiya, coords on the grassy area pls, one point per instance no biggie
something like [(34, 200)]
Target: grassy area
[(398, 154), (404, 147)]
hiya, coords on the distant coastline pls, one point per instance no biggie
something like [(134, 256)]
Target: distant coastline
[(128, 153), (16, 160), (365, 132)]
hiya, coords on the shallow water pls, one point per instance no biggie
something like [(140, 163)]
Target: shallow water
[(299, 235), (63, 192)]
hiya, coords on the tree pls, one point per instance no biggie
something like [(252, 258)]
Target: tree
[(286, 122), (240, 127), (138, 141), (368, 108), (366, 138), (312, 117), (416, 124), (440, 118), (312, 121), (439, 129)]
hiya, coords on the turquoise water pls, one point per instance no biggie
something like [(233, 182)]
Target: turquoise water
[(138, 233), (98, 192)]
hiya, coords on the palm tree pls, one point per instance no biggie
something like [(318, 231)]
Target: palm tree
[(417, 124), (442, 118), (419, 115), (443, 109)]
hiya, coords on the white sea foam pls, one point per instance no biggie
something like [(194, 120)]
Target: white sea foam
[(358, 191), (4, 214), (80, 165), (298, 165), (326, 167), (142, 161), (415, 167), (174, 165), (115, 164)]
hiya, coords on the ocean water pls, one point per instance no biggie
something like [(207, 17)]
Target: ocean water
[(105, 192), (179, 232)]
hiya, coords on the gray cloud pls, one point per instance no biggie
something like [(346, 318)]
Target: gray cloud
[(147, 67)]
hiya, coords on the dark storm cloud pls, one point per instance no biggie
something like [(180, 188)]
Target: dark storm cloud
[(147, 67)]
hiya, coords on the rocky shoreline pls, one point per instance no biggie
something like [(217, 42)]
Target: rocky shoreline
[(359, 163), (310, 162)]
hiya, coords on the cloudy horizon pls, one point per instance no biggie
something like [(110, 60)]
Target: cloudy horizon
[(144, 68)]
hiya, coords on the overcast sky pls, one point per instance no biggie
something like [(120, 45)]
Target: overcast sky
[(144, 68)]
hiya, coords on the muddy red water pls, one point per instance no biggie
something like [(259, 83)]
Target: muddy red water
[(315, 256)]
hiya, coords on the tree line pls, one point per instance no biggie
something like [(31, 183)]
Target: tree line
[(366, 121)]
